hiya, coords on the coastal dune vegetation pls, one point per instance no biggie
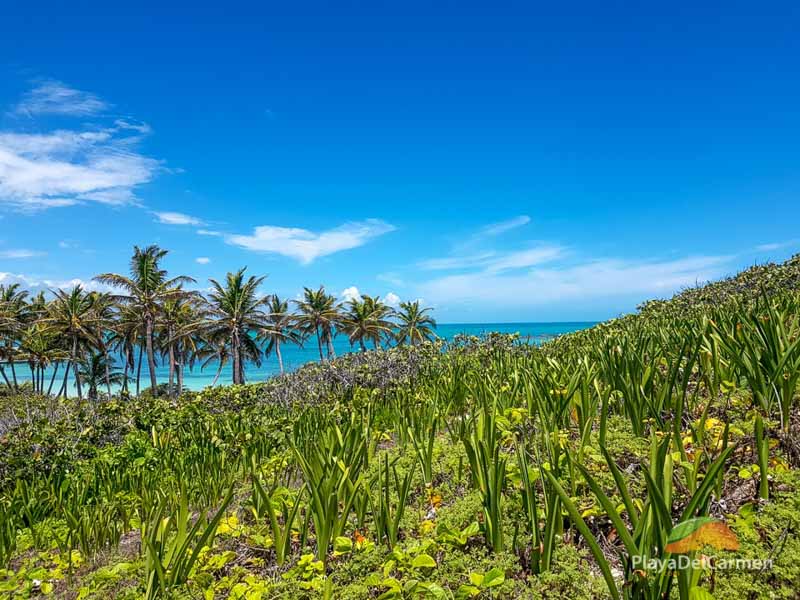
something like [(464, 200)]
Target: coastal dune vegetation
[(474, 468)]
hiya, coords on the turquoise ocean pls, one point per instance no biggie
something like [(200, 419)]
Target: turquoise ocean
[(296, 356)]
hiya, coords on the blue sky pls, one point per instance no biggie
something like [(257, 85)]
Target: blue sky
[(502, 162)]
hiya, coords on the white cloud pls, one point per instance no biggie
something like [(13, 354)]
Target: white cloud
[(306, 246), (21, 253), (55, 98), (176, 218), (455, 262), (65, 167), (202, 260), (36, 284), (523, 258), (391, 299), (208, 232), (350, 293), (775, 246), (494, 229), (392, 278), (495, 262), (587, 280)]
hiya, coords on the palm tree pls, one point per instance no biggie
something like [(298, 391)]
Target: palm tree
[(236, 311), (367, 319), (40, 348), (319, 313), (181, 319), (147, 289), (124, 335), (13, 317), (72, 315), (415, 326), (278, 329), (98, 368)]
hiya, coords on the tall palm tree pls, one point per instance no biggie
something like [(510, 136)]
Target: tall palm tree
[(147, 288), (415, 325), (14, 316), (124, 336), (236, 309), (72, 315), (180, 321), (367, 319), (278, 329), (40, 348), (319, 314)]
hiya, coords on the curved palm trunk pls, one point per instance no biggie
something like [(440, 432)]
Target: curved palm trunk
[(278, 354), (5, 377), (362, 344), (108, 372), (236, 367), (179, 369), (13, 372), (75, 366), (329, 340), (219, 371), (319, 343), (171, 385), (151, 358), (53, 378), (139, 370), (63, 389), (125, 375)]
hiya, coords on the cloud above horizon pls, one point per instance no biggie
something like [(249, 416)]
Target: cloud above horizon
[(36, 284), (495, 262), (64, 167), (20, 253), (176, 218), (494, 229), (56, 98), (590, 279), (306, 246)]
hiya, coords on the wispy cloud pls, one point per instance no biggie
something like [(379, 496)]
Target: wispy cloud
[(63, 167), (176, 218), (202, 260), (21, 253), (306, 246), (392, 278), (496, 262), (776, 246), (209, 232), (35, 283), (494, 229), (56, 98), (589, 279)]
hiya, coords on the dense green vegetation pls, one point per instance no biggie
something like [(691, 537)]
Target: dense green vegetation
[(483, 468)]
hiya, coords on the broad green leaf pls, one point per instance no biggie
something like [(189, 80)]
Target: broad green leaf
[(494, 578), (423, 561)]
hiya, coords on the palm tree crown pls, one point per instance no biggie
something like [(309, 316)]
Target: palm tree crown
[(147, 288), (279, 328), (319, 314), (237, 309), (367, 319), (415, 325)]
